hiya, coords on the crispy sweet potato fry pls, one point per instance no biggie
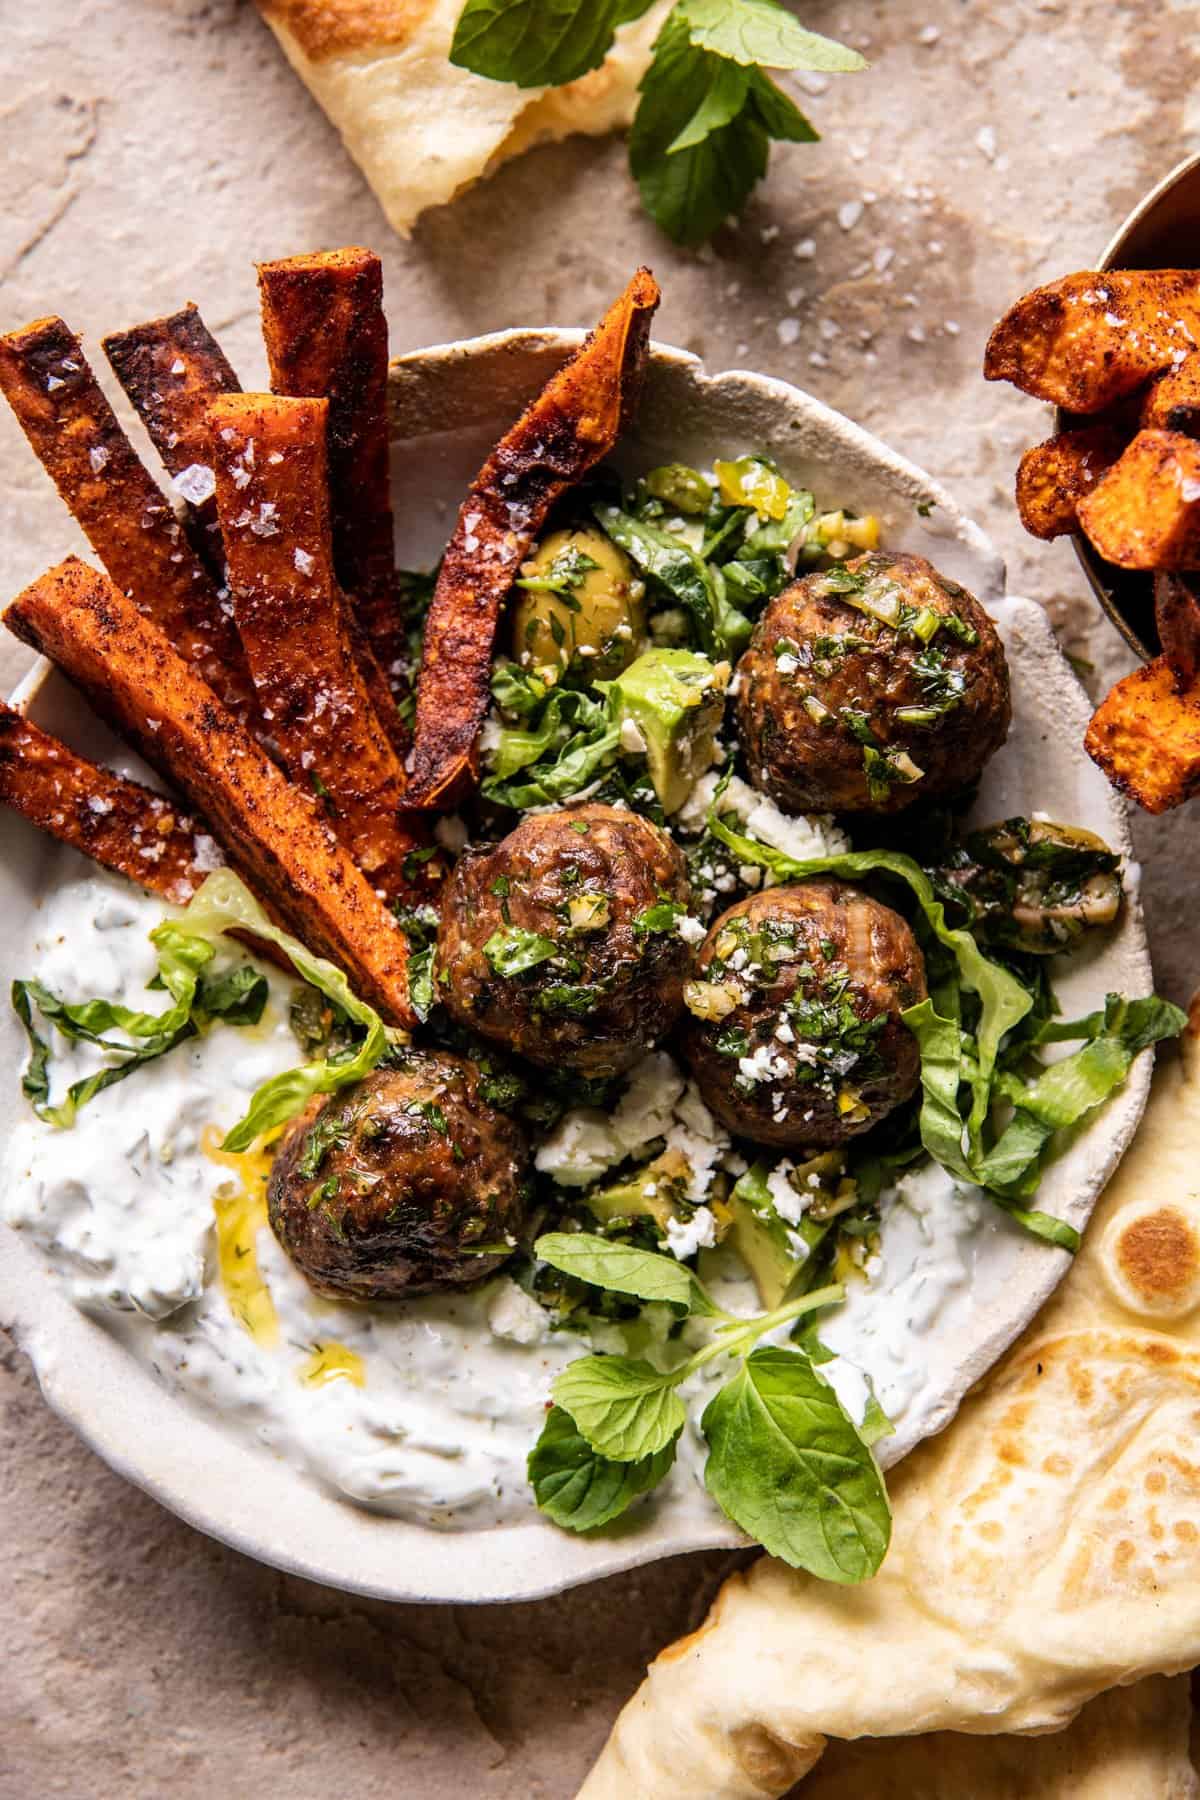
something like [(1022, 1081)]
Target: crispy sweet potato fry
[(1087, 340), (273, 500), (1177, 616), (1145, 512), (326, 337), (1146, 737), (171, 370), (115, 821), (1053, 477), (1172, 400), (47, 381), (267, 826), (573, 423)]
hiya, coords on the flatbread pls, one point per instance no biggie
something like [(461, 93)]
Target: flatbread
[(420, 129), (1128, 1744), (1045, 1549)]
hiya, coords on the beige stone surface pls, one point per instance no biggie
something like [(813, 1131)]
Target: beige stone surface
[(153, 150)]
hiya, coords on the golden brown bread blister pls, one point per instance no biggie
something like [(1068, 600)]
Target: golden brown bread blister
[(268, 827), (569, 428), (115, 821), (1089, 339), (273, 499), (1146, 737), (326, 337), (128, 520), (1144, 513), (1053, 477), (172, 369)]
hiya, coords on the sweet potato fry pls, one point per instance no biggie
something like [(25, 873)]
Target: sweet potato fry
[(1172, 401), (326, 337), (46, 379), (117, 822), (171, 370), (1087, 340), (1177, 616), (1146, 737), (1053, 477), (573, 423), (1145, 512), (273, 501), (268, 827)]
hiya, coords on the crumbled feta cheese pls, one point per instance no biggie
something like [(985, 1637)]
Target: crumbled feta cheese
[(788, 1203), (633, 739), (691, 930), (452, 834), (686, 1236), (305, 563), (514, 1315), (579, 1149)]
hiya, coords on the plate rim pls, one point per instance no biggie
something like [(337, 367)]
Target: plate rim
[(70, 1387)]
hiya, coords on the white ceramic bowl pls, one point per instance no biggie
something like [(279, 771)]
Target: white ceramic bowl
[(450, 404)]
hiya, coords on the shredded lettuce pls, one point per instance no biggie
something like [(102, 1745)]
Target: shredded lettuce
[(225, 903), (236, 996)]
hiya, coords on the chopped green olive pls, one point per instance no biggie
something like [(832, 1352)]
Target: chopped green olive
[(578, 598)]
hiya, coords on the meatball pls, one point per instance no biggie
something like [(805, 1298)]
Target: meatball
[(562, 943), (869, 687), (794, 1032), (406, 1182)]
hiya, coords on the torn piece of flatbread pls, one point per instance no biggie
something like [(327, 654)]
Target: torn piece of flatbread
[(1046, 1547), (1128, 1744), (420, 129)]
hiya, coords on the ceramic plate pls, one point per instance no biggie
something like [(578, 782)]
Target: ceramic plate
[(449, 406)]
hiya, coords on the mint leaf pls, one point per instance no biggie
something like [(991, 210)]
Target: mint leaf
[(625, 1409), (690, 192), (724, 97), (787, 1465), (778, 113), (623, 1269), (538, 43), (579, 1489), (759, 31)]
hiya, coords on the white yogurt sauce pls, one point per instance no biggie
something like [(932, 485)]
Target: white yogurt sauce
[(453, 1387)]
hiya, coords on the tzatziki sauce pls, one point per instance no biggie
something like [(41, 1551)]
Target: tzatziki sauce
[(425, 1408)]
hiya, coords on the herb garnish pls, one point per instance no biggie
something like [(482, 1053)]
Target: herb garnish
[(786, 1461), (708, 107)]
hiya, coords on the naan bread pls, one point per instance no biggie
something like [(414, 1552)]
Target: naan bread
[(1046, 1548), (420, 129)]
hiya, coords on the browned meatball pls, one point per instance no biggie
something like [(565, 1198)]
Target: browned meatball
[(406, 1182), (800, 1042), (561, 942), (869, 687)]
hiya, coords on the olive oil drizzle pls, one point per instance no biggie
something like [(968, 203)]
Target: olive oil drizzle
[(240, 1206)]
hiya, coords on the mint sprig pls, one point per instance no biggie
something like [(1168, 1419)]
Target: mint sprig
[(786, 1461), (708, 110)]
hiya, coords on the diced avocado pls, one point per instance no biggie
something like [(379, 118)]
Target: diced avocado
[(675, 699), (773, 1251), (650, 1191), (578, 597)]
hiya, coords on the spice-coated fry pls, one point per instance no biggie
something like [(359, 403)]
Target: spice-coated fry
[(1090, 339), (171, 370), (46, 379), (1146, 737), (573, 423), (1145, 512), (273, 500), (268, 827), (326, 337), (1172, 401), (1053, 477), (115, 821)]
